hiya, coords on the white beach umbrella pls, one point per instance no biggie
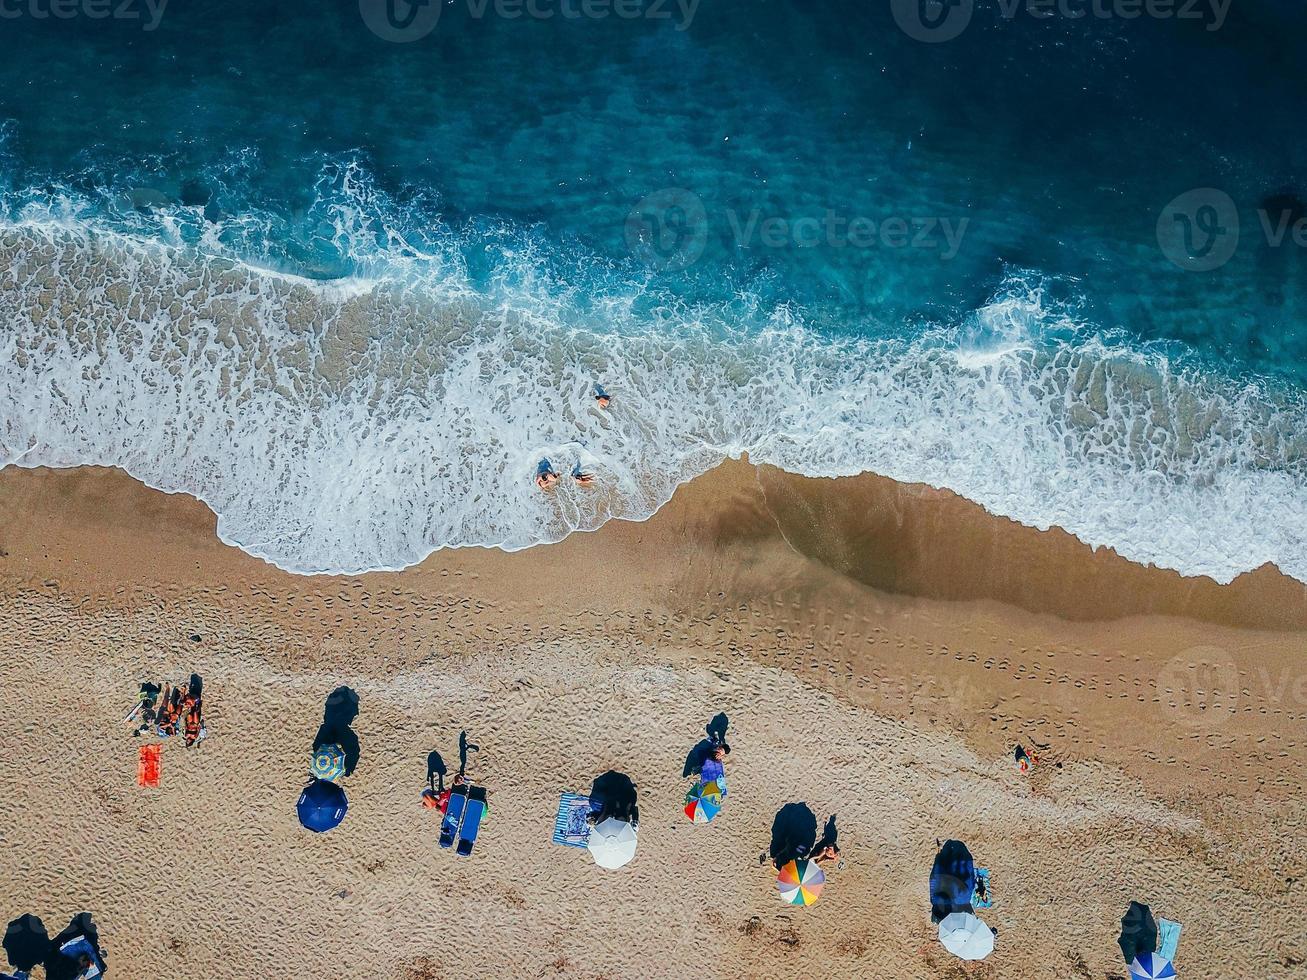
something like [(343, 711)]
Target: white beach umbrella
[(965, 936), (612, 843)]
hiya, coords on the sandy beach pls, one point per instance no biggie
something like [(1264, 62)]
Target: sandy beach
[(878, 648)]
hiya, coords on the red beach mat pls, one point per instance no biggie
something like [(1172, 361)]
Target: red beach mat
[(147, 769)]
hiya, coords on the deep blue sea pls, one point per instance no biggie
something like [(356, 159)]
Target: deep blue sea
[(349, 271)]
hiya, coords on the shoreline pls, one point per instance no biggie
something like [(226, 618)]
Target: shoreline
[(879, 650), (908, 540)]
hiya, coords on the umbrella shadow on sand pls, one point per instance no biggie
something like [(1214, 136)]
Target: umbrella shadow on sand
[(952, 881), (613, 795), (26, 942), (1138, 931), (793, 833), (338, 716)]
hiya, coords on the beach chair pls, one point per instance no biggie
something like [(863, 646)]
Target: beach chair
[(571, 828), (473, 813), (453, 816)]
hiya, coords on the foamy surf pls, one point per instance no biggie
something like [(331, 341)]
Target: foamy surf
[(360, 425)]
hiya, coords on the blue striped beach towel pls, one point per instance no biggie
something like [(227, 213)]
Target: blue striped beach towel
[(982, 888), (571, 829)]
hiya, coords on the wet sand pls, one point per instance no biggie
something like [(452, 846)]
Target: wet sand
[(878, 648)]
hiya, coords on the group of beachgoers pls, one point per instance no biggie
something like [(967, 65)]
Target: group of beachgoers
[(606, 820), (165, 710), (547, 477)]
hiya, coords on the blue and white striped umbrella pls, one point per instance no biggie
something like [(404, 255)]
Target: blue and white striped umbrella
[(1150, 966)]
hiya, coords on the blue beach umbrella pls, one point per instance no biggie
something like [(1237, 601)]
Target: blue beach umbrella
[(321, 806), (328, 762), (1151, 966)]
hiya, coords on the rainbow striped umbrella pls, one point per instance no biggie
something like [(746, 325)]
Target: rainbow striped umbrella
[(704, 801), (328, 763), (800, 882)]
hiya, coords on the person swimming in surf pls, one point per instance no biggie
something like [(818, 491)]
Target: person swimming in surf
[(602, 398), (546, 478)]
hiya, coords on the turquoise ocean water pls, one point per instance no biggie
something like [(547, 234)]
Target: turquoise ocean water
[(348, 272)]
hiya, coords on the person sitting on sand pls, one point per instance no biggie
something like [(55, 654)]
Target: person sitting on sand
[(582, 478), (1025, 760), (710, 764), (824, 853), (827, 848), (433, 800), (145, 711), (602, 398)]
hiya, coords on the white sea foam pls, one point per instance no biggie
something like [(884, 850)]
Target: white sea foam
[(363, 424)]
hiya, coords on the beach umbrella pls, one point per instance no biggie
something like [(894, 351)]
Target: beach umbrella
[(612, 843), (1151, 966), (800, 882), (965, 936), (328, 762), (704, 801), (322, 805)]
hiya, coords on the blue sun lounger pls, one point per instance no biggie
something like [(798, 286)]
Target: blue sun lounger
[(571, 828), (453, 816), (473, 813)]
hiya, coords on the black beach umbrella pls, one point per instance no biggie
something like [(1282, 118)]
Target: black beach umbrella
[(1138, 932)]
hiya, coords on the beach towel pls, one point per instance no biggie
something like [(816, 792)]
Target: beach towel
[(1168, 937), (149, 765), (982, 887), (571, 829)]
